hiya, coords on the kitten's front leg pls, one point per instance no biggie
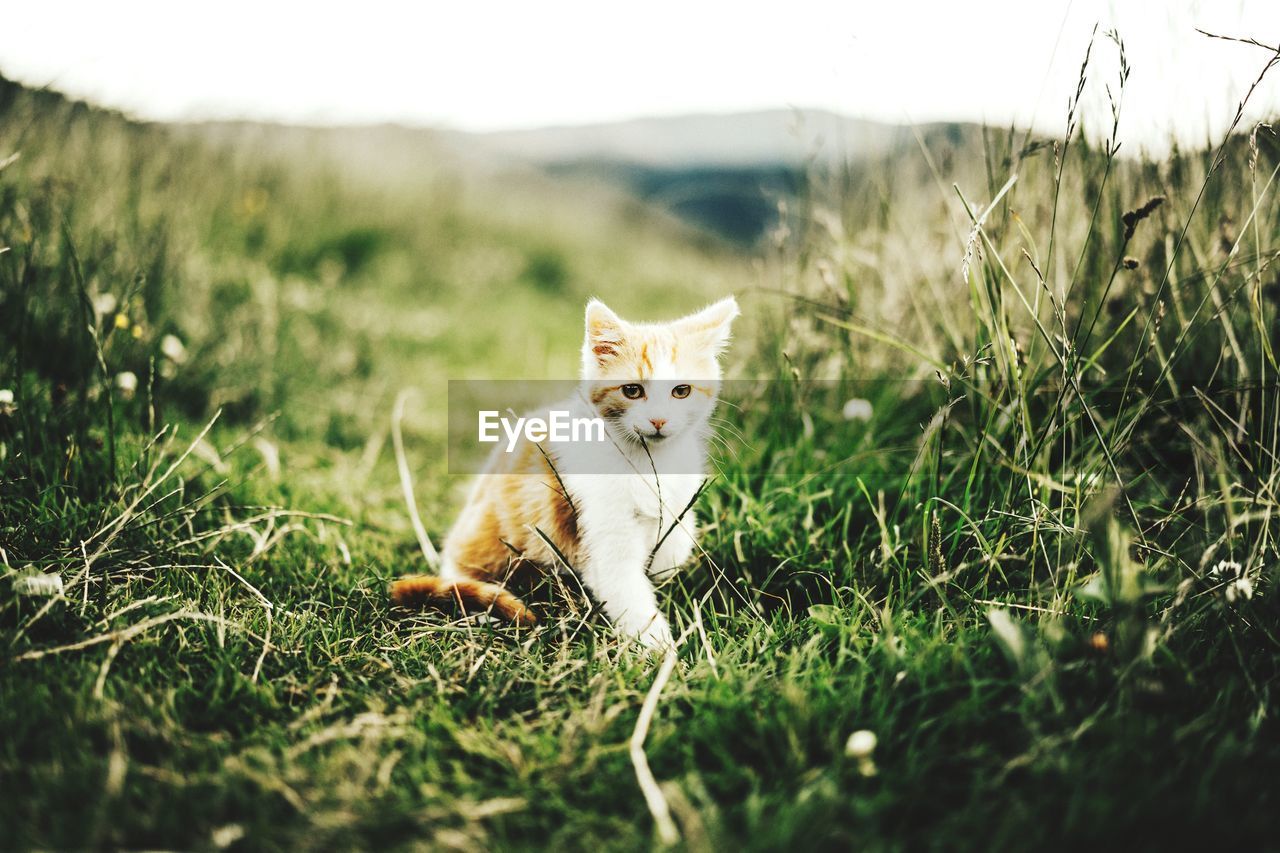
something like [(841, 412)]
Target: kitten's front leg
[(614, 571)]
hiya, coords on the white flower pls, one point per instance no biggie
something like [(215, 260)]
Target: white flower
[(1238, 580), (861, 746), (127, 383), (224, 836), (1227, 569), (6, 396), (857, 409), (105, 303), (173, 349), (1239, 588)]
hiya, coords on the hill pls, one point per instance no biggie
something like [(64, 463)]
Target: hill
[(731, 177), (732, 141)]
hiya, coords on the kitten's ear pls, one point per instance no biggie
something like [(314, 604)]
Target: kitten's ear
[(604, 333), (711, 326)]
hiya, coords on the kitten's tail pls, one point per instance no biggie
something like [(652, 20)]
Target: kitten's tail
[(474, 596)]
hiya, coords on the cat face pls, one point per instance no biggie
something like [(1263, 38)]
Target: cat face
[(654, 381)]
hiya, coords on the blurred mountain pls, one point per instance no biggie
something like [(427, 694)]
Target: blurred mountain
[(726, 174), (737, 140)]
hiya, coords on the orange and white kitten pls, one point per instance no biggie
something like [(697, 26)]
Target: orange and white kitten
[(617, 511)]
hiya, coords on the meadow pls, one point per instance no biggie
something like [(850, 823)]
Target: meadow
[(1039, 564)]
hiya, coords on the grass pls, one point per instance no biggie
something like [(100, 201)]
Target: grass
[(1023, 572)]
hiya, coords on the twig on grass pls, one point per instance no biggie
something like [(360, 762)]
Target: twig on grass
[(668, 834)]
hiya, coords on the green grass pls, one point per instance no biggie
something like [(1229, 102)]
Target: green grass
[(1006, 573)]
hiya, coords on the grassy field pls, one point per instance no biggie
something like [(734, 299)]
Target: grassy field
[(1042, 572)]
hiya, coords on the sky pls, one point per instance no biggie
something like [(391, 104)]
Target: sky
[(486, 65)]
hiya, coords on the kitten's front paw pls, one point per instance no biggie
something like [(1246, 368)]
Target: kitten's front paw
[(658, 635), (652, 631)]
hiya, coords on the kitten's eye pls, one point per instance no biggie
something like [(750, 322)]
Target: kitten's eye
[(680, 391), (633, 392)]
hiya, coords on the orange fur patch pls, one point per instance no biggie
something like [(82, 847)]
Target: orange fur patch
[(517, 518), (472, 596), (646, 366), (598, 394)]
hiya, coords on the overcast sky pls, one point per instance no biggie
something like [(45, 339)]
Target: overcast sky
[(490, 65)]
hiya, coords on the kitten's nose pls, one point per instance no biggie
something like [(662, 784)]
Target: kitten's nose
[(658, 423)]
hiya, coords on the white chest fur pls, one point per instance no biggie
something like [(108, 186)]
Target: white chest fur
[(633, 526)]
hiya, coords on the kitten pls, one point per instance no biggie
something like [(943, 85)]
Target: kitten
[(618, 512)]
